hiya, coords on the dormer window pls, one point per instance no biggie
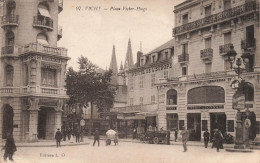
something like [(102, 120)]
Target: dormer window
[(167, 55), (153, 59), (142, 62)]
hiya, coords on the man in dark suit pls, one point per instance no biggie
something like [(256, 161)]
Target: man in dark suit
[(58, 137)]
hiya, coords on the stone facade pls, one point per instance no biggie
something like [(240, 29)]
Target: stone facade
[(32, 69)]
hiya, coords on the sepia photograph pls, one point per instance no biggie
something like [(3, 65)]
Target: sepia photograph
[(129, 81)]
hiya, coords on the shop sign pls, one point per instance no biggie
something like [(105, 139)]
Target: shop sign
[(247, 123), (171, 108), (206, 107), (238, 101)]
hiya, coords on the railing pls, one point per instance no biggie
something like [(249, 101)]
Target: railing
[(206, 53), (135, 108), (53, 91), (59, 32), (11, 20), (7, 50), (246, 8), (183, 58), (207, 75), (248, 44), (44, 22), (60, 5), (223, 49), (9, 90), (36, 47)]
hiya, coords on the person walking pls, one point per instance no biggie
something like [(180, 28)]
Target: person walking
[(206, 138), (218, 139), (69, 134), (176, 134), (58, 137), (96, 137), (185, 138), (77, 134), (9, 147)]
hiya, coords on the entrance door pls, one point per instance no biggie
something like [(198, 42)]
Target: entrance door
[(217, 121), (42, 117), (8, 115), (194, 126)]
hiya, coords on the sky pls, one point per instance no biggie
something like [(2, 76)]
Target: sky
[(92, 27)]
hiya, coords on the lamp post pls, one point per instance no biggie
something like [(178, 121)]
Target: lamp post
[(239, 96)]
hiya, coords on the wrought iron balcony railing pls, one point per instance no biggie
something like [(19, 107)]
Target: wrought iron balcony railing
[(183, 58), (7, 50), (206, 53), (43, 22), (60, 5), (223, 49), (248, 44), (10, 20), (247, 8)]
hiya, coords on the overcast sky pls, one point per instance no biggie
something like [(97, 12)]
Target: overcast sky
[(93, 33)]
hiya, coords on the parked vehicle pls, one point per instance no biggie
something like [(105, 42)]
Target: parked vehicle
[(156, 137)]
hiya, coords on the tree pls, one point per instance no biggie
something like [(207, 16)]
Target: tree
[(87, 85)]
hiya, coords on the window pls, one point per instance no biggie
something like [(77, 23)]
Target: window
[(42, 39), (185, 48), (249, 92), (153, 58), (131, 83), (26, 75), (131, 101), (185, 19), (10, 8), (206, 94), (250, 65), (44, 16), (166, 74), (141, 100), (184, 70), (167, 55), (250, 36), (227, 38), (141, 82), (172, 121), (208, 67), (9, 39), (208, 11), (9, 72), (48, 77), (153, 99), (207, 43), (152, 80), (227, 4), (171, 97), (142, 62)]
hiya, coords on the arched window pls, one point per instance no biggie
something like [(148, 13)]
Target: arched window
[(42, 39), (249, 92), (171, 97), (206, 94), (9, 39), (10, 8), (9, 71)]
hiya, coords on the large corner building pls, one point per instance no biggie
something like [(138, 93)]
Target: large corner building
[(32, 69)]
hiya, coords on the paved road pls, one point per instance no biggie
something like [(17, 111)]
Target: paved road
[(128, 152)]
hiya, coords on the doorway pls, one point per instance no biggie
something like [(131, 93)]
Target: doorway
[(8, 116), (42, 117), (217, 121), (194, 126)]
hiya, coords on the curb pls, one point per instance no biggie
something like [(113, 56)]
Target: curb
[(51, 145)]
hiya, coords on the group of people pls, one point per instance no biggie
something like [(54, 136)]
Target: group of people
[(9, 147), (67, 133), (111, 134)]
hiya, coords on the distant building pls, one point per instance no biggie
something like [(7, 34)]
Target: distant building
[(32, 69)]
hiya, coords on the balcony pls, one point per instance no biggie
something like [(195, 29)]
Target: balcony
[(11, 20), (183, 58), (60, 5), (7, 50), (45, 49), (59, 33), (223, 49), (43, 23), (206, 54), (248, 45), (245, 9)]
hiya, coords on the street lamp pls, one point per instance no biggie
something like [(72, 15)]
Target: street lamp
[(239, 96)]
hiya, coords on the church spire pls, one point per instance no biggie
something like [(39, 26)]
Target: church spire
[(129, 62), (113, 62)]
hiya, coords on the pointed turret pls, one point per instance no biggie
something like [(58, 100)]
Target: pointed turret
[(113, 62), (121, 69), (129, 62)]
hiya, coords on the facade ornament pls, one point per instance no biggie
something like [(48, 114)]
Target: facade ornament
[(33, 103), (59, 105)]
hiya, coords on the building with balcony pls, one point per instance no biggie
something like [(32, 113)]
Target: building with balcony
[(199, 95), (140, 111), (32, 70)]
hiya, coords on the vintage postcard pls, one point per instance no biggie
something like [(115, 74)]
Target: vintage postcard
[(129, 81)]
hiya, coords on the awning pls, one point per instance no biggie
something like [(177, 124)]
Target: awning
[(135, 117), (44, 12), (42, 41)]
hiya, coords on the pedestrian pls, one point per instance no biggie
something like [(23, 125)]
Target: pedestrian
[(64, 134), (77, 134), (9, 147), (69, 133), (218, 139), (116, 138), (58, 137), (185, 138), (96, 137), (176, 134), (206, 138), (134, 133)]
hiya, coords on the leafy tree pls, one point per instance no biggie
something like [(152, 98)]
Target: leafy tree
[(87, 85)]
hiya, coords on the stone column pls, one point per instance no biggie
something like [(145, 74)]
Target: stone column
[(33, 119), (58, 115)]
